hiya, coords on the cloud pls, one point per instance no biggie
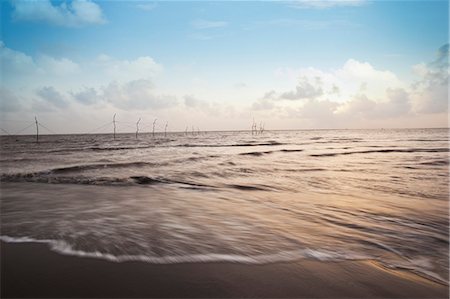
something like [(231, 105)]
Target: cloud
[(123, 83), (19, 68), (305, 90), (22, 71), (205, 24), (270, 95), (205, 107), (318, 109), (9, 102), (340, 84), (14, 62), (355, 93), (310, 24), (263, 104), (147, 6), (240, 85), (59, 67), (313, 114), (77, 13), (201, 36), (431, 90), (323, 4), (143, 67), (138, 94), (359, 111), (87, 96), (50, 95), (396, 103), (192, 102)]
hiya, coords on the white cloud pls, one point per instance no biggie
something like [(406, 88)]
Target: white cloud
[(305, 90), (318, 109), (360, 95), (310, 24), (201, 36), (147, 6), (69, 14), (323, 4), (87, 96), (357, 94), (206, 24), (192, 102), (143, 67), (58, 67), (396, 103), (431, 90), (14, 62), (138, 94), (341, 84), (263, 104), (240, 85), (9, 101), (53, 97), (123, 83), (21, 70), (206, 107)]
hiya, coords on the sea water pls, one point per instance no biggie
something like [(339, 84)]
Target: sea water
[(233, 197)]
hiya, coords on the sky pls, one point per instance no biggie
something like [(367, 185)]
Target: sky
[(218, 65)]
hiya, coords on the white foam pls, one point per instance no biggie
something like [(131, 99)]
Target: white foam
[(64, 248)]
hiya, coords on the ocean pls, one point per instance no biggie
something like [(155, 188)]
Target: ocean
[(279, 196)]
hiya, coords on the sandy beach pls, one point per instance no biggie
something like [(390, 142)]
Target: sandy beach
[(32, 270)]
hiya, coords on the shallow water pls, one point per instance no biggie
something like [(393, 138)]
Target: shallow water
[(233, 196)]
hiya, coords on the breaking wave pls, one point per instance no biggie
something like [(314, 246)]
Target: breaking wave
[(64, 248), (411, 150)]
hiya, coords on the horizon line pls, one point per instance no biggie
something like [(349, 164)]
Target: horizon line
[(225, 131)]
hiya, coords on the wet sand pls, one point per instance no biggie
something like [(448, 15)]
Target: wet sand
[(32, 270)]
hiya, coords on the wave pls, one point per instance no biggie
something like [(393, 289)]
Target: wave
[(49, 179), (64, 248), (83, 167), (108, 165), (270, 143), (435, 163), (250, 187), (145, 180), (426, 140), (412, 150), (257, 154), (158, 144), (98, 148), (140, 180), (104, 181)]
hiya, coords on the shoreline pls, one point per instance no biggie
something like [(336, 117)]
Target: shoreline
[(33, 270)]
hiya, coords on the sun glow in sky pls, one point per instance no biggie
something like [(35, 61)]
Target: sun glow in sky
[(217, 65)]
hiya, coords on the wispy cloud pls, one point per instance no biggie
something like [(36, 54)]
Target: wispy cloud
[(50, 95), (303, 24), (305, 90), (76, 13), (207, 24), (200, 36), (323, 4), (137, 95), (431, 90), (147, 6)]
